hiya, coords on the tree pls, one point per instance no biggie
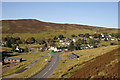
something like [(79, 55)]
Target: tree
[(8, 44), (43, 48), (95, 46), (87, 35), (52, 44), (13, 40), (80, 35), (96, 35), (105, 39), (78, 47), (60, 36), (71, 46), (26, 49), (92, 41), (73, 35), (30, 40), (55, 38), (41, 42), (14, 48), (45, 45)]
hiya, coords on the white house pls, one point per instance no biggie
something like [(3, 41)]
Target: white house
[(74, 40), (65, 43), (102, 35), (112, 39), (110, 36), (90, 46), (54, 49), (95, 32), (61, 41), (17, 48), (66, 49), (107, 39), (90, 37), (3, 44)]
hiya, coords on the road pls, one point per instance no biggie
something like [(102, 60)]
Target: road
[(49, 68)]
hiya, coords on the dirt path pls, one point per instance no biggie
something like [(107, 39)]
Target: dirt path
[(105, 66)]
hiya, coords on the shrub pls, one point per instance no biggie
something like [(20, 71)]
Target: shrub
[(113, 43)]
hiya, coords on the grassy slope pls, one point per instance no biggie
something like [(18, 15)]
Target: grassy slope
[(84, 54), (29, 27)]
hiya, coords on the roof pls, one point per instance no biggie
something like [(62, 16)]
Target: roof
[(13, 58), (74, 54)]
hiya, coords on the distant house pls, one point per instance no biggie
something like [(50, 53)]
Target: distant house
[(19, 49), (112, 39), (61, 41), (67, 39), (55, 49), (90, 46), (72, 56), (74, 40), (12, 60), (110, 36), (65, 43), (91, 37), (66, 49), (102, 35)]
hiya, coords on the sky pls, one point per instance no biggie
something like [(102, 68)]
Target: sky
[(101, 14)]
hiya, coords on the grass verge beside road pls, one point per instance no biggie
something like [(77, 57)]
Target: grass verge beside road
[(33, 70), (27, 59), (85, 55)]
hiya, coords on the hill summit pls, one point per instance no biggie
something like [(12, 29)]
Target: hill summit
[(36, 26)]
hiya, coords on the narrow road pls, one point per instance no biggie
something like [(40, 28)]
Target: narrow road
[(49, 68)]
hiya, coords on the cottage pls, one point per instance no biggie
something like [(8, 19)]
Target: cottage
[(19, 49), (55, 49), (91, 37), (74, 40), (12, 60), (112, 39), (110, 36), (65, 43), (67, 39), (102, 35), (61, 41), (72, 56), (66, 49)]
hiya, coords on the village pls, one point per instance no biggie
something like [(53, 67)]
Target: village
[(58, 44)]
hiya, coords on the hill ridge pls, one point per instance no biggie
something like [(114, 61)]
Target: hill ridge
[(37, 26)]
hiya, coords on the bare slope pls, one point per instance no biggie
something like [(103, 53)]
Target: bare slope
[(36, 26)]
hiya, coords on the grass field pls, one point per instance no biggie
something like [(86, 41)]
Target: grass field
[(85, 55), (27, 57), (39, 36), (33, 70), (51, 34)]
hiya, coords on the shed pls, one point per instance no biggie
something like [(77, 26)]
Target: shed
[(72, 56), (12, 60)]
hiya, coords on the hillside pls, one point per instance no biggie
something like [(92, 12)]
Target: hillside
[(35, 26)]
